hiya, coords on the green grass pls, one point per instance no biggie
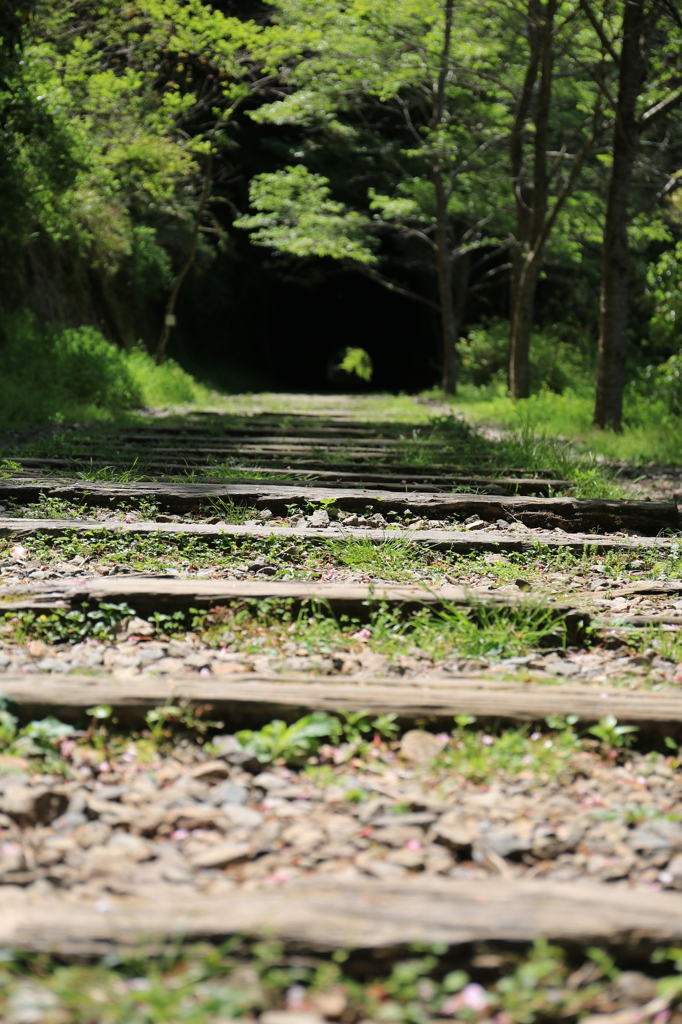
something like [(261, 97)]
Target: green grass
[(650, 432)]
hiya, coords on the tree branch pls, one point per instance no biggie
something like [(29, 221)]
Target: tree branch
[(659, 110), (604, 39), (391, 286)]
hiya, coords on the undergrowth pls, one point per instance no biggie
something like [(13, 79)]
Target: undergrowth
[(201, 983), (53, 375)]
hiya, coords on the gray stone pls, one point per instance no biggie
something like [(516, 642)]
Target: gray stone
[(228, 793), (420, 747), (674, 871), (110, 812), (53, 665), (504, 842), (635, 986), (656, 835), (72, 819), (130, 847), (149, 652), (397, 835), (453, 830), (30, 805), (221, 855), (230, 749), (270, 782), (136, 627), (209, 770), (239, 815), (549, 842), (32, 1004), (319, 519), (197, 660), (418, 818), (289, 1017)]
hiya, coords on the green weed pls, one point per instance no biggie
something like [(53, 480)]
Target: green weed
[(612, 735), (290, 743), (39, 739), (475, 631), (66, 626), (296, 743), (230, 512), (164, 721)]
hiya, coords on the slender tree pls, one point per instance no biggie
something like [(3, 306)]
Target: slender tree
[(645, 26), (540, 192)]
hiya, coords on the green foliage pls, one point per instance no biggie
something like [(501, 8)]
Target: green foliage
[(663, 385), (292, 743), (177, 623), (665, 282), (164, 721), (611, 734), (295, 743), (357, 361), (554, 364), (53, 374), (476, 631), (356, 726), (650, 432), (296, 216), (47, 371), (8, 722), (67, 626), (39, 738), (478, 755), (239, 979)]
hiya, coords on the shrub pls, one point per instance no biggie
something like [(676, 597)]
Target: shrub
[(167, 384), (89, 370), (664, 383), (554, 364), (55, 373)]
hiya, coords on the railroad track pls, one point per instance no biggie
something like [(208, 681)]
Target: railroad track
[(136, 611)]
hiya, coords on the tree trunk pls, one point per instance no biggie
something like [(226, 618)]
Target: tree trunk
[(448, 319), (613, 297), (448, 322), (522, 322), (169, 317), (531, 205)]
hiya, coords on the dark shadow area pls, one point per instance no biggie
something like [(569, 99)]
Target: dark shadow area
[(246, 322)]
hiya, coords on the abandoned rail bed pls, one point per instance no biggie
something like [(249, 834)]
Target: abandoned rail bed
[(477, 647)]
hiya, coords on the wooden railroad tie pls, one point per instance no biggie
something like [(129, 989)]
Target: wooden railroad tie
[(371, 914), (442, 540), (248, 699), (647, 518)]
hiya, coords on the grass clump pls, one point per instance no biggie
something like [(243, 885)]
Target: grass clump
[(276, 626), (478, 755), (165, 384)]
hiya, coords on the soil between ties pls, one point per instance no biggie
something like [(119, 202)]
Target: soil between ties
[(189, 609)]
